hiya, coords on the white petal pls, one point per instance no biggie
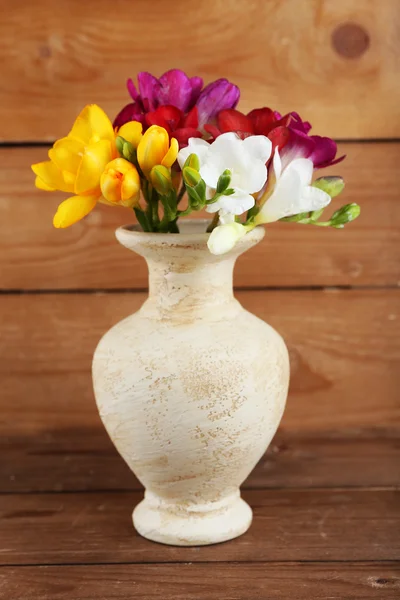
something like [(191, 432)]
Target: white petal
[(236, 204), (196, 146), (254, 178), (304, 168), (224, 237), (313, 199), (285, 199), (258, 146), (230, 137), (277, 164), (225, 217), (210, 172)]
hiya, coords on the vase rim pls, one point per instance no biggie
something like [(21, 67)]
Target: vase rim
[(192, 233)]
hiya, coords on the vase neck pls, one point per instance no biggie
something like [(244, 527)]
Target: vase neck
[(186, 281), (190, 288)]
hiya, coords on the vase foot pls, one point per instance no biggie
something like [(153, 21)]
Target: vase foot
[(195, 525)]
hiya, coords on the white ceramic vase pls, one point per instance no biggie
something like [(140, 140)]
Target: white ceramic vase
[(191, 388)]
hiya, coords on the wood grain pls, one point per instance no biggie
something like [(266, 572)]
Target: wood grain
[(344, 350), (293, 55), (312, 525), (77, 458), (261, 581), (36, 256)]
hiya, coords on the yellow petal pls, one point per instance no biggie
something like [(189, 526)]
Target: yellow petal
[(111, 187), (93, 163), (73, 209), (92, 125), (69, 178), (172, 153), (121, 165), (67, 154), (42, 186), (131, 132), (130, 188), (152, 148), (51, 176)]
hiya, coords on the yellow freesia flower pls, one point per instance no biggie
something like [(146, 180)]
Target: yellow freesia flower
[(76, 164), (120, 183), (155, 148)]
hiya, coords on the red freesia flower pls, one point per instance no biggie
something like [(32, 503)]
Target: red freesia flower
[(260, 121), (289, 133), (178, 125)]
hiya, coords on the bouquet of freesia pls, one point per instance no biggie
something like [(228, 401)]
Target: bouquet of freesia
[(178, 148)]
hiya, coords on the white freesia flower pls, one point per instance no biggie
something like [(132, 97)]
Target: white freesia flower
[(293, 193), (245, 159), (224, 237)]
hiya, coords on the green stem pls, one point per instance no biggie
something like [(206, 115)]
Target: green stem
[(143, 219), (173, 227), (181, 193), (184, 213)]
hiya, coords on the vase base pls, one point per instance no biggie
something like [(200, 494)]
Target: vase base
[(197, 525)]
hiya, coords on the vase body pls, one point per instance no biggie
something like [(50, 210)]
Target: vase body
[(191, 389)]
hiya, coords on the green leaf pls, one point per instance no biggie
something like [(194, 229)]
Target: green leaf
[(331, 185)]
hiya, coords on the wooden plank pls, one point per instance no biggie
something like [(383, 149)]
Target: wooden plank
[(344, 349), (262, 581), (293, 55), (306, 525), (84, 459), (36, 256)]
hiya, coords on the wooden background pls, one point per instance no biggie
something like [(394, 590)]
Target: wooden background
[(326, 507)]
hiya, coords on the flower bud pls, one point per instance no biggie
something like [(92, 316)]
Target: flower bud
[(191, 176), (344, 215), (120, 183), (223, 238), (160, 178), (193, 162), (223, 181), (331, 185)]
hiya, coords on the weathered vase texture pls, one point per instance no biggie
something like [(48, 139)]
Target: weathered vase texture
[(191, 389)]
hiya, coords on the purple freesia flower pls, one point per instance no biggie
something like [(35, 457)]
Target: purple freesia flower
[(216, 96), (174, 88)]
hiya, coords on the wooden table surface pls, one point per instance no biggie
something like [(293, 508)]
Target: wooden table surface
[(325, 496)]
